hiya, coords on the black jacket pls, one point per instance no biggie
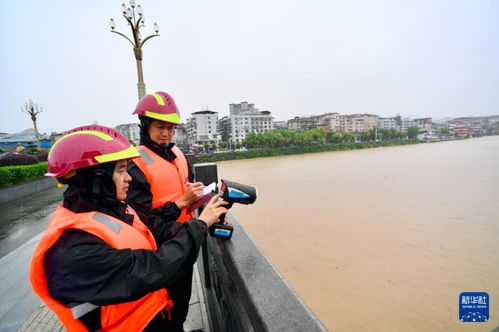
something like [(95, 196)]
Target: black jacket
[(139, 197), (81, 267)]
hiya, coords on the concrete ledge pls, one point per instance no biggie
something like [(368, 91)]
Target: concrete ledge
[(247, 293), (25, 189), (18, 300)]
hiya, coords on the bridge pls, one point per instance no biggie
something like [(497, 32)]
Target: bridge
[(235, 287)]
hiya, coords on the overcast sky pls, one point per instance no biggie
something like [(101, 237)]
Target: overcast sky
[(294, 58)]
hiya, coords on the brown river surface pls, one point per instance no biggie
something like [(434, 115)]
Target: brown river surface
[(381, 239)]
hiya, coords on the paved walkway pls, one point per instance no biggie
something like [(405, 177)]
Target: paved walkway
[(21, 309)]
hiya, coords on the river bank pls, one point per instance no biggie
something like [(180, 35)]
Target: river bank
[(294, 150)]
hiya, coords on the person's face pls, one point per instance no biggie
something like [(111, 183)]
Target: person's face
[(161, 132), (121, 179)]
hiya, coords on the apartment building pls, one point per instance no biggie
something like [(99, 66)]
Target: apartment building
[(131, 132), (387, 123), (202, 128), (242, 108), (356, 123), (406, 123), (244, 118), (424, 124), (181, 139), (240, 125), (330, 121)]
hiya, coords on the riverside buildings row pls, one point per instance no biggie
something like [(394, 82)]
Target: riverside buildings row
[(204, 128)]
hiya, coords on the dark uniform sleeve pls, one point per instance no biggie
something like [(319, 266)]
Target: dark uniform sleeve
[(80, 267), (139, 197)]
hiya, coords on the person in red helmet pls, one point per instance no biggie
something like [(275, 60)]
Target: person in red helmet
[(97, 265), (163, 185), (162, 178)]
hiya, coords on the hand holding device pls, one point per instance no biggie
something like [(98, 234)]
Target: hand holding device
[(232, 192)]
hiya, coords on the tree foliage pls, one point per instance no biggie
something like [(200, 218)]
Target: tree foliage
[(18, 159), (412, 132), (313, 137)]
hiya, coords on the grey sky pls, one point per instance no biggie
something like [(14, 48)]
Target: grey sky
[(414, 58)]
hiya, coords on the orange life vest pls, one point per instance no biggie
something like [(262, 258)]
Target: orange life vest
[(167, 179), (127, 316)]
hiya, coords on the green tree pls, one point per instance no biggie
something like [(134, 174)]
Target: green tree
[(290, 137), (272, 138), (444, 130), (333, 137), (251, 140), (223, 144), (365, 136), (412, 132), (347, 137)]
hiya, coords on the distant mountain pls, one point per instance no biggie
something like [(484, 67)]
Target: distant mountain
[(26, 132), (30, 132)]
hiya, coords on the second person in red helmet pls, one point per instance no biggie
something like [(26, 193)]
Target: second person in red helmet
[(163, 185)]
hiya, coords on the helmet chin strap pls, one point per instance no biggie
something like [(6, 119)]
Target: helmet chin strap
[(96, 185)]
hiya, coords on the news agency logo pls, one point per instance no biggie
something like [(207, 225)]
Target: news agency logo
[(474, 307)]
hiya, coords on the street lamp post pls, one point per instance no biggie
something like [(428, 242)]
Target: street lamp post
[(135, 18)]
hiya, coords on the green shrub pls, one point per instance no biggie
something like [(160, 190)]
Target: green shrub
[(11, 175), (11, 159), (42, 156)]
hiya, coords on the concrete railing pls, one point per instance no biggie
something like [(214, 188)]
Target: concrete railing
[(25, 189), (244, 291)]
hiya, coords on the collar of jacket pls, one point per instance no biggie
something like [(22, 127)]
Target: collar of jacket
[(164, 152), (79, 200)]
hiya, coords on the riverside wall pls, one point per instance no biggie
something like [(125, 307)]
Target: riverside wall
[(244, 291)]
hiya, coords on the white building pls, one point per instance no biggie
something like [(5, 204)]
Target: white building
[(243, 107), (242, 124), (244, 118), (181, 139), (387, 123), (131, 132), (407, 123), (202, 128)]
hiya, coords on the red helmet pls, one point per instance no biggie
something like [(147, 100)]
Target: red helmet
[(87, 146), (160, 106)]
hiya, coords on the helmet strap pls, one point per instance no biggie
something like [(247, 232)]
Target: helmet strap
[(99, 172)]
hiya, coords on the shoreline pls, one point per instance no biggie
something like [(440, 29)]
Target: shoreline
[(295, 150)]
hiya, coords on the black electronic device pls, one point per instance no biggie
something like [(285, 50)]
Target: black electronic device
[(232, 192)]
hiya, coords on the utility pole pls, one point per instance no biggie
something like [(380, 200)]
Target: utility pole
[(136, 20), (33, 110)]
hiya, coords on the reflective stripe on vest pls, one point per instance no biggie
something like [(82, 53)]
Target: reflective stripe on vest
[(106, 220), (81, 309), (146, 157), (167, 180), (127, 316)]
